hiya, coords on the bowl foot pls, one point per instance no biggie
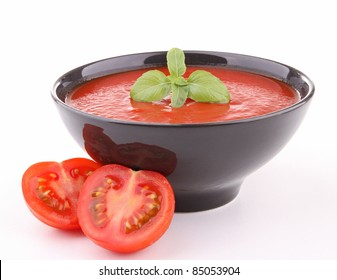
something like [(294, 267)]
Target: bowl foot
[(200, 201)]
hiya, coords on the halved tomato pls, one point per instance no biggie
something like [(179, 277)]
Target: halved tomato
[(51, 190), (124, 210)]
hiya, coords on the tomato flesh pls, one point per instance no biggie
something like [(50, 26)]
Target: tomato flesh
[(125, 210), (51, 190)]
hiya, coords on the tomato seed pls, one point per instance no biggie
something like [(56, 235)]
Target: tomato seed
[(96, 194), (152, 196), (46, 193), (74, 172), (53, 176), (100, 214), (66, 204), (102, 221), (150, 206), (128, 225), (99, 206)]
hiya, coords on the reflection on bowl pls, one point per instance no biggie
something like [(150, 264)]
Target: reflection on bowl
[(134, 155), (205, 163)]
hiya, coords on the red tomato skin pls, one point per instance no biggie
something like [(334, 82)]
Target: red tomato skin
[(112, 236), (43, 212)]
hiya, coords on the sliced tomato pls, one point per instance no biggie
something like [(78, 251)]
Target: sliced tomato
[(124, 210), (51, 190)]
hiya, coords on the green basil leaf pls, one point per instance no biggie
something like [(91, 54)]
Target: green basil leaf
[(201, 86), (205, 87), (153, 85), (179, 95), (176, 62), (179, 81)]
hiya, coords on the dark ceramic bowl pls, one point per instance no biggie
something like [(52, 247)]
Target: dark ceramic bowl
[(202, 172)]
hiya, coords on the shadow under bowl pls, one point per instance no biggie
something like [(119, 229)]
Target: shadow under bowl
[(205, 163)]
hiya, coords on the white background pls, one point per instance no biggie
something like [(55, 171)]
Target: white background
[(286, 210)]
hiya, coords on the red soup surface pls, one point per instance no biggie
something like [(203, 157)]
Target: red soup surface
[(251, 95)]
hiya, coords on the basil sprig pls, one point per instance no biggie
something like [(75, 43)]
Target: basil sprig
[(201, 86)]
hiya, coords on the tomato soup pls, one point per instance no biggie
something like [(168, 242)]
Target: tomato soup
[(251, 95)]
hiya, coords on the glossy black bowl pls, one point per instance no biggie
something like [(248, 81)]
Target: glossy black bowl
[(205, 163)]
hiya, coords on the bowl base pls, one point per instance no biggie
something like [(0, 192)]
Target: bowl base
[(200, 201)]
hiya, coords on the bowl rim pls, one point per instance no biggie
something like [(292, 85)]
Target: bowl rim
[(303, 99)]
